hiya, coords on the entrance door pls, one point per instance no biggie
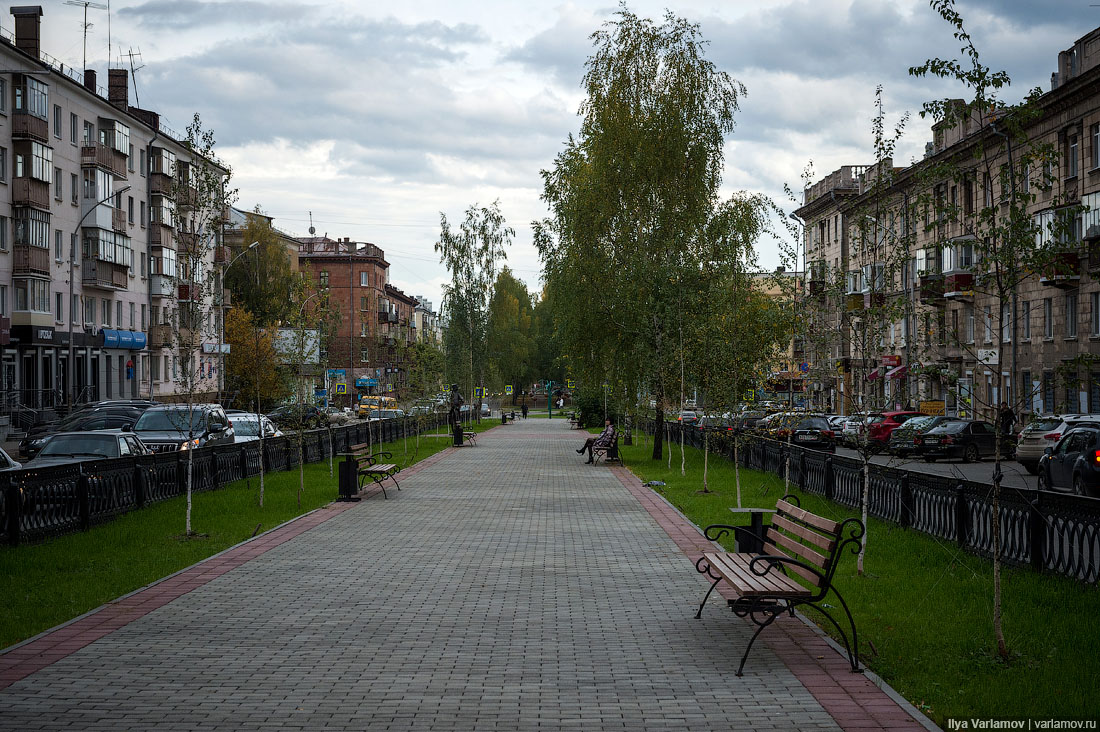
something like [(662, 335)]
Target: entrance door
[(93, 391), (28, 381)]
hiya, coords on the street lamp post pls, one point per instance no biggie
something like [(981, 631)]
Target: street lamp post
[(72, 271), (221, 320)]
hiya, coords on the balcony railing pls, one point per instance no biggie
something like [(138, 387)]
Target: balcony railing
[(160, 184), (1064, 270), (931, 288), (160, 335), (960, 284), (30, 192), (30, 260), (104, 157), (187, 292), (221, 255), (384, 316), (104, 275), (118, 220), (161, 286), (24, 126), (161, 236)]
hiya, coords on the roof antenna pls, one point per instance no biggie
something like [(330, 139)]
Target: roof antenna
[(98, 6), (132, 54)]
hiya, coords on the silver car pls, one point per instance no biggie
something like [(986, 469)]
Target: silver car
[(1043, 432)]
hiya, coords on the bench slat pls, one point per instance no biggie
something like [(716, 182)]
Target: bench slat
[(806, 574), (827, 525), (799, 551), (735, 569), (377, 468), (823, 542)]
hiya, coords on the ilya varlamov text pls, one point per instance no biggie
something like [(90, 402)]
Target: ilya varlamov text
[(1024, 724)]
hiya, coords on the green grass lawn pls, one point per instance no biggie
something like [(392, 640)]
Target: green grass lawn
[(924, 608), (47, 584)]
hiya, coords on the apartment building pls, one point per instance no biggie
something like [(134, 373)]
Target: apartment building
[(428, 326), (89, 274), (901, 245)]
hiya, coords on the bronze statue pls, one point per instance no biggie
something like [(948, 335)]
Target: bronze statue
[(454, 417)]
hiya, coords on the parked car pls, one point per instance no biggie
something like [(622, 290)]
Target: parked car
[(855, 428), (687, 417), (902, 442), (813, 432), (965, 439), (485, 411), (246, 427), (110, 416), (172, 427), (72, 447), (6, 463), (1074, 463), (1044, 432), (337, 416), (377, 414), (836, 422), (298, 416), (879, 430)]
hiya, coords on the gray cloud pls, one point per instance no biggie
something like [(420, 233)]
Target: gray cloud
[(167, 14)]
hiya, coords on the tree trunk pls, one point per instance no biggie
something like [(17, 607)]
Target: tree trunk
[(706, 461), (658, 432), (736, 471), (865, 500)]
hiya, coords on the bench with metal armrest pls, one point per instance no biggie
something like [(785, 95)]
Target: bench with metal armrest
[(368, 467)]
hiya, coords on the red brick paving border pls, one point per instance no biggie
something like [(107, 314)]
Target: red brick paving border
[(853, 700), (37, 653)]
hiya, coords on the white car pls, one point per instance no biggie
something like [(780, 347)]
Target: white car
[(6, 463), (246, 426)]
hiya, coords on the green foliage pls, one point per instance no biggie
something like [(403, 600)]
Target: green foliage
[(509, 340), (262, 278)]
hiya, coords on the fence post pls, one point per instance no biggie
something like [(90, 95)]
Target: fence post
[(905, 511), (1037, 532), (802, 469), (82, 501), (960, 515), (244, 461), (830, 478), (14, 504), (139, 485)]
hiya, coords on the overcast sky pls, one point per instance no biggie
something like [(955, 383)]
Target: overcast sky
[(378, 116)]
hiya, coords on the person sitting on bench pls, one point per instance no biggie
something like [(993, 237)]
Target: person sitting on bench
[(604, 439)]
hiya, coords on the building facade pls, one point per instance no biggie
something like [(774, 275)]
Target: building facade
[(89, 273), (896, 272)]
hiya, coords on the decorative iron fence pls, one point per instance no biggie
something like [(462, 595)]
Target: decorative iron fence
[(44, 503), (1045, 530)]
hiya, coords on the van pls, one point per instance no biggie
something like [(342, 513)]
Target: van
[(367, 403)]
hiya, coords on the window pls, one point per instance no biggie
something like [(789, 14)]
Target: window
[(89, 133), (1026, 388), (74, 308), (58, 247), (106, 312), (143, 265), (968, 313), (3, 95), (58, 193), (155, 368), (363, 355), (987, 190), (89, 311), (31, 97), (144, 311), (1071, 156), (73, 186), (3, 233), (32, 228), (74, 123), (363, 304), (3, 163), (142, 210), (988, 312), (130, 209), (362, 330), (1071, 316), (59, 307), (118, 313), (130, 158), (363, 279), (32, 295), (1048, 318), (1094, 330), (57, 121), (1006, 322), (323, 279), (1043, 224), (38, 164), (72, 246), (4, 300), (1094, 134), (141, 169)]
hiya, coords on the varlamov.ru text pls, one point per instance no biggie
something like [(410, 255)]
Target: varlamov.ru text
[(1022, 724)]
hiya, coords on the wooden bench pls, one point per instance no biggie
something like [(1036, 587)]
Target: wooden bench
[(609, 453), (470, 437), (574, 422), (368, 467), (799, 559)]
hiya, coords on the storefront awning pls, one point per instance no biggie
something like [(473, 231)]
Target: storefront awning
[(873, 375), (128, 340), (898, 372)]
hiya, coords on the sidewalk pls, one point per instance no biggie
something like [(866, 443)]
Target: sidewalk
[(506, 586)]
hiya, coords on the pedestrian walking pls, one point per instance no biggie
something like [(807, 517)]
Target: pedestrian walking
[(523, 409)]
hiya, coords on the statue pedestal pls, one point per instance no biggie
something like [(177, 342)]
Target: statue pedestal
[(456, 433)]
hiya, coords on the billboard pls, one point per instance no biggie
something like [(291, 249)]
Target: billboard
[(295, 346)]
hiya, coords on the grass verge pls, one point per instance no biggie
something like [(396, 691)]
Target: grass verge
[(924, 608), (47, 584)]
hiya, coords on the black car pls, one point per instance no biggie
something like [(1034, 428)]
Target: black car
[(298, 416), (814, 433), (106, 417), (72, 447), (1074, 463), (902, 440), (172, 427), (963, 439)]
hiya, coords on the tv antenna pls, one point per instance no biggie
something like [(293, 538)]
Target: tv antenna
[(98, 6), (132, 54)]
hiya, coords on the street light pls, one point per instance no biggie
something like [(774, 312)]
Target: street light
[(72, 266), (221, 320)]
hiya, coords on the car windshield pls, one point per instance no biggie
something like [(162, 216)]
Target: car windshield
[(951, 427), (1043, 424), (917, 423), (86, 444), (813, 423), (170, 419), (246, 426)]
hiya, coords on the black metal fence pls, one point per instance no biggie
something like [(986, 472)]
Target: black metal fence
[(1047, 531), (40, 504)]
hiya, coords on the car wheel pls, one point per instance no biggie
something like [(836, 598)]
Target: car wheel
[(971, 455), (1043, 483), (1078, 486)]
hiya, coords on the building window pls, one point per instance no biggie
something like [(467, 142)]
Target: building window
[(130, 158), (59, 307), (89, 311), (32, 228), (3, 95), (57, 121), (3, 163), (4, 300), (1071, 156), (1048, 318), (72, 247), (32, 295), (363, 304), (31, 97), (89, 133), (58, 247), (106, 312), (1025, 320), (144, 312), (58, 193), (143, 265), (74, 308), (988, 313), (1006, 322), (363, 355), (1071, 316), (362, 330), (969, 315), (141, 168), (133, 309), (1094, 330), (364, 279), (1094, 133), (130, 209), (38, 164), (74, 123), (324, 279), (3, 233), (141, 208), (74, 186)]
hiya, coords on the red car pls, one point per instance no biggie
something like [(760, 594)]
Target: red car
[(880, 431)]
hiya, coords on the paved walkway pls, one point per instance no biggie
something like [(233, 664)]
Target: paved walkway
[(506, 586)]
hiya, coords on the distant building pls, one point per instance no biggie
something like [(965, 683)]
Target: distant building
[(428, 326)]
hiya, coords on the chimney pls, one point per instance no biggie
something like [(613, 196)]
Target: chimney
[(28, 36), (89, 80), (118, 88)]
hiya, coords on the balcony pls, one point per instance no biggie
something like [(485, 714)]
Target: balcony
[(225, 301), (958, 285), (160, 335), (28, 127), (161, 286), (873, 300), (931, 289), (817, 288), (186, 197), (161, 236), (30, 260), (1064, 270), (98, 274), (187, 292), (853, 301), (160, 184), (221, 255), (101, 156), (30, 192), (1094, 255), (118, 220), (384, 316)]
